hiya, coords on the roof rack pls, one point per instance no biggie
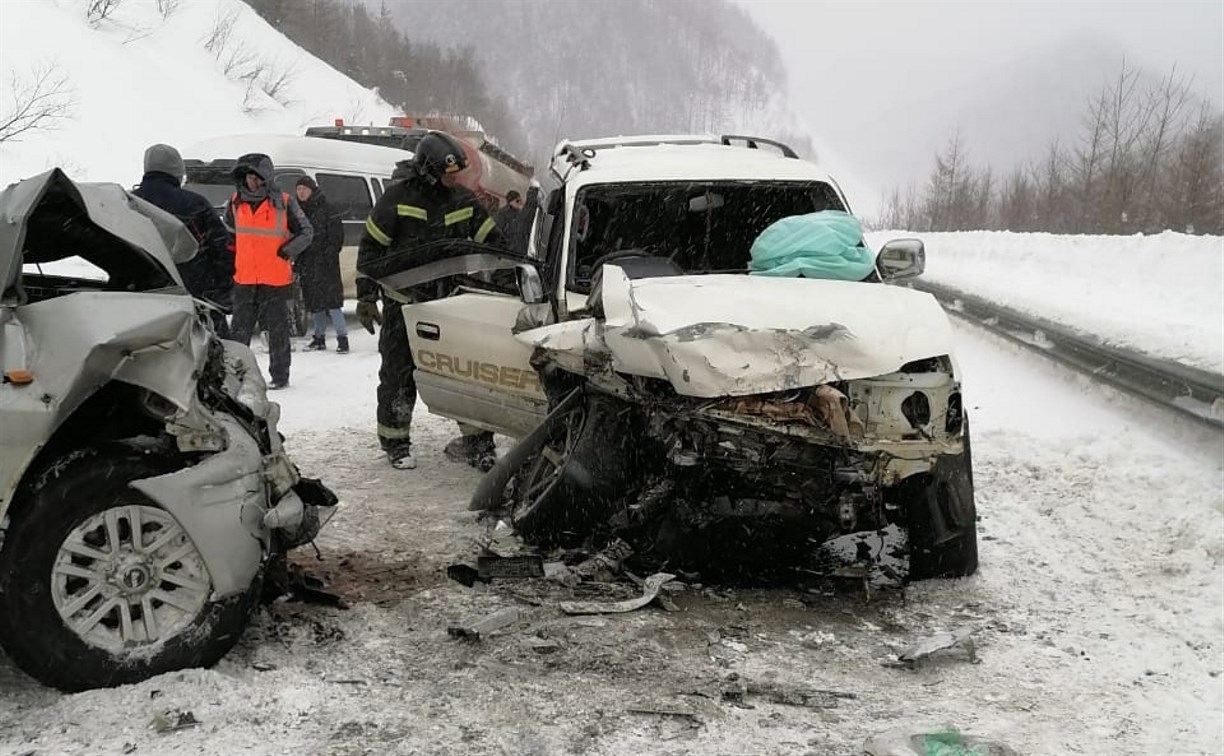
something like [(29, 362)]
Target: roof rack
[(647, 140), (754, 143), (383, 136)]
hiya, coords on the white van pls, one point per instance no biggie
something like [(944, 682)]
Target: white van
[(351, 174)]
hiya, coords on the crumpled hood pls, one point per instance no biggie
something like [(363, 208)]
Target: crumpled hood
[(49, 217), (734, 335)]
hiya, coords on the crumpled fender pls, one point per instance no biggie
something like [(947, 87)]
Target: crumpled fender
[(220, 503)]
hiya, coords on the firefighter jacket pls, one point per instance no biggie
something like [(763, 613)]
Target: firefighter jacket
[(267, 235), (409, 214)]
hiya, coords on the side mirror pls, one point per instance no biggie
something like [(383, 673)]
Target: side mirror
[(530, 287), (900, 259)]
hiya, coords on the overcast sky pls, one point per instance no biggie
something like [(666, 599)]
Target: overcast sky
[(877, 80)]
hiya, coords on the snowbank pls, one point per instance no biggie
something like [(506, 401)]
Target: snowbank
[(138, 78), (1162, 294)]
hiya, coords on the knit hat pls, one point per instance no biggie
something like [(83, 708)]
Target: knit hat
[(308, 182), (162, 158)]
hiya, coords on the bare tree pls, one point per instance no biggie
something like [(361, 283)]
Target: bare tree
[(167, 8), (1166, 105), (1049, 190), (218, 36), (943, 185), (40, 101), (1194, 188), (98, 10)]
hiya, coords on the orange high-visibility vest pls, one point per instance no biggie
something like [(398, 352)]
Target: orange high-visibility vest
[(258, 233)]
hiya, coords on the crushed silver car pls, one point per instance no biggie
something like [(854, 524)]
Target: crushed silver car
[(143, 485)]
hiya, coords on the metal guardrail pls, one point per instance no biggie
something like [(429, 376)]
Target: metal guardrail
[(1195, 393)]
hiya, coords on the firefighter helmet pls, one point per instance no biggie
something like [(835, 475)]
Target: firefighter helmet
[(438, 154)]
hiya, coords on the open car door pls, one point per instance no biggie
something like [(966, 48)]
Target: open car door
[(469, 365)]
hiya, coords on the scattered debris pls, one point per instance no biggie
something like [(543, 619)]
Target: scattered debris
[(559, 572), (650, 591), (464, 574), (263, 666), (811, 698), (479, 628), (606, 565), (171, 720), (310, 589), (543, 645), (688, 716), (666, 603), (793, 604), (950, 742), (931, 644), (735, 690), (858, 573), (129, 748), (489, 566)]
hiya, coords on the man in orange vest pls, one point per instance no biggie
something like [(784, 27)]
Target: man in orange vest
[(270, 230)]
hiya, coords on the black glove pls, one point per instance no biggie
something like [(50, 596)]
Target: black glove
[(282, 254), (367, 313)]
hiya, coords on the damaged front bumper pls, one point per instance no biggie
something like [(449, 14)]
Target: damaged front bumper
[(243, 500)]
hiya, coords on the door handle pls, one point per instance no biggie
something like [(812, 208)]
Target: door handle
[(428, 331)]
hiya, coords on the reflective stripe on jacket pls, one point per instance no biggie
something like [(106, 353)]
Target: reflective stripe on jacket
[(259, 233)]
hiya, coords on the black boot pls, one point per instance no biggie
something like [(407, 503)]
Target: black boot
[(317, 344), (342, 345)]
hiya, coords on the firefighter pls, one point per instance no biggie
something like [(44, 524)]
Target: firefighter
[(270, 230), (426, 205)]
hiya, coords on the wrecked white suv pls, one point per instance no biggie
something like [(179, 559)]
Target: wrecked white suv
[(143, 486), (663, 395)]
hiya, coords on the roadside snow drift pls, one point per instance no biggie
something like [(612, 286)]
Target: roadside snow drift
[(1162, 294), (208, 68)]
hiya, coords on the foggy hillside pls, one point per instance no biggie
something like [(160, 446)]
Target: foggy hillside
[(578, 69), (1007, 115)]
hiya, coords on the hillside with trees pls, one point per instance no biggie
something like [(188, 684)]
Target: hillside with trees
[(568, 68), (1148, 157), (413, 75)]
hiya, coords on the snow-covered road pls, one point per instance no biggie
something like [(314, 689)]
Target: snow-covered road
[(1098, 609)]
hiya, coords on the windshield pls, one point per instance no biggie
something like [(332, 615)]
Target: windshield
[(703, 227)]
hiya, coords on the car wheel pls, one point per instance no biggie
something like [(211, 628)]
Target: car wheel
[(942, 519), (580, 475), (100, 586)]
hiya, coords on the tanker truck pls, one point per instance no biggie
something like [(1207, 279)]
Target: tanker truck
[(492, 172)]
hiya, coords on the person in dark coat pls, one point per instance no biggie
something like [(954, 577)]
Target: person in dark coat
[(209, 275), (509, 219), (318, 268)]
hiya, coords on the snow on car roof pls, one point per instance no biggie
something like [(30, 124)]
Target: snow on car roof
[(688, 162), (291, 151)]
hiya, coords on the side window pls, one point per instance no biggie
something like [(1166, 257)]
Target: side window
[(376, 185), (349, 195), (286, 180)]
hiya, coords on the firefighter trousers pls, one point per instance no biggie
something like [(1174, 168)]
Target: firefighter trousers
[(397, 385)]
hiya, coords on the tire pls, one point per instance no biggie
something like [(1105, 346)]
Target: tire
[(582, 474), (85, 500), (947, 492)]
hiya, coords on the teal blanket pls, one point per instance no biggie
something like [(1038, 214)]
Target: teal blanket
[(828, 244)]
